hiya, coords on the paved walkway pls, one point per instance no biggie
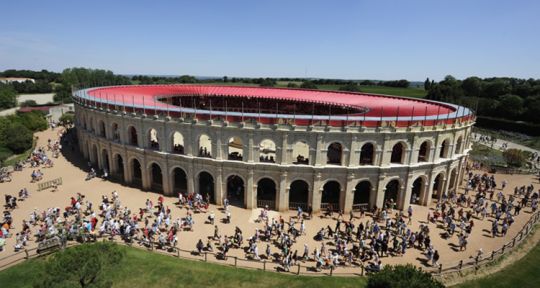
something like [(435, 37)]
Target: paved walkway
[(498, 144)]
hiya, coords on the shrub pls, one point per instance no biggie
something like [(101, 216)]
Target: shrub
[(4, 153), (402, 276), (17, 137), (35, 120), (28, 103), (514, 157), (67, 118)]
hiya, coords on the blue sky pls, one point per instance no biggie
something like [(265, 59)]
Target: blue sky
[(328, 39)]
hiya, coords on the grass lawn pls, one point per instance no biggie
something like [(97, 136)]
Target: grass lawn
[(523, 273), (147, 269), (486, 155)]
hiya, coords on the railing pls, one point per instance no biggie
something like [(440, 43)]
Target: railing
[(263, 203), (300, 268), (360, 207), (295, 205)]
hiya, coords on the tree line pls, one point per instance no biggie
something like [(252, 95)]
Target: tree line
[(44, 80), (504, 97)]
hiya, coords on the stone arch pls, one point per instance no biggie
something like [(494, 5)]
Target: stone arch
[(115, 133), (334, 153), (95, 155), (136, 171), (133, 138), (299, 194), (367, 154), (362, 194), (453, 179), (105, 163), (267, 151), (438, 186), (156, 177), (331, 195), (392, 193), (417, 190), (423, 151), (207, 185), (236, 190), (119, 166), (205, 146), (444, 149), (153, 139), (266, 193), (102, 132), (398, 153), (177, 141), (235, 148), (301, 152), (459, 143), (179, 180)]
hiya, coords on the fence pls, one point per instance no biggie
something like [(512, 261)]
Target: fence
[(271, 204), (470, 264)]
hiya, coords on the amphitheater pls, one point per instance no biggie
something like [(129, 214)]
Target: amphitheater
[(275, 147)]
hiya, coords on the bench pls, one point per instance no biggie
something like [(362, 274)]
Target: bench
[(51, 183), (50, 244)]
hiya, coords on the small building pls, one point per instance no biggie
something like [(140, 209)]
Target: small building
[(7, 80)]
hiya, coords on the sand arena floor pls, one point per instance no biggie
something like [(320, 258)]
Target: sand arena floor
[(73, 175)]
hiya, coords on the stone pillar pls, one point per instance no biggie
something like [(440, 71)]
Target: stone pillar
[(372, 197), (384, 156), (217, 147), (167, 181), (429, 189), (146, 176), (380, 192), (407, 193), (353, 152), (191, 182), (128, 178), (283, 196), (316, 194), (250, 194), (249, 148), (285, 149), (320, 159), (348, 198)]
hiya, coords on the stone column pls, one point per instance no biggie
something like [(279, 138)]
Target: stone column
[(407, 193), (250, 194), (380, 192), (250, 148), (217, 147), (348, 198), (429, 189), (320, 159), (167, 181), (284, 149), (353, 152), (316, 194), (283, 196), (384, 156)]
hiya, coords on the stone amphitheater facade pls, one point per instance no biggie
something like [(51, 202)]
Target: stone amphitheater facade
[(280, 165)]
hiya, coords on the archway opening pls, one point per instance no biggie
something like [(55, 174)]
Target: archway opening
[(119, 167), (179, 181), (206, 186), (437, 187), (299, 195), (236, 149), (267, 150), (423, 152), (459, 142), (330, 195), (443, 153), (205, 146), (136, 172), (153, 139), (132, 134), (391, 194), (105, 165), (94, 157), (157, 178), (334, 154), (397, 154), (301, 153), (102, 132), (416, 190), (266, 193), (115, 132), (362, 194), (235, 191), (452, 184), (178, 143), (367, 154)]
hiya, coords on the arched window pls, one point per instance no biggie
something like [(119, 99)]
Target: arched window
[(178, 143), (102, 132), (367, 154), (458, 145), (397, 154), (156, 178), (362, 193), (205, 146), (236, 148), (443, 153), (299, 195), (115, 132), (132, 134), (423, 152), (266, 193), (267, 150), (153, 139), (301, 153), (334, 153)]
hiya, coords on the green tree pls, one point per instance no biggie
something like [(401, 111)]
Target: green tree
[(17, 137), (67, 118), (427, 84), (28, 103), (352, 87), (472, 87), (82, 266), (514, 157), (308, 85), (402, 276), (511, 106), (292, 85), (8, 96)]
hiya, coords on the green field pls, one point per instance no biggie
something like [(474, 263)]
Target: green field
[(523, 273), (148, 269)]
